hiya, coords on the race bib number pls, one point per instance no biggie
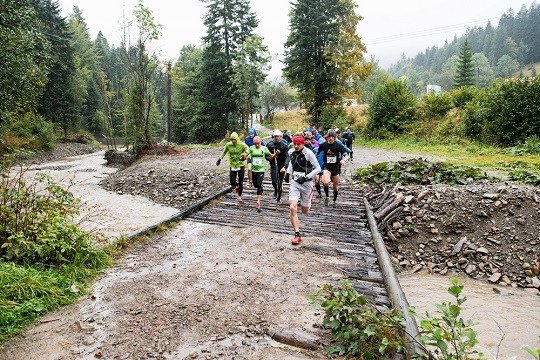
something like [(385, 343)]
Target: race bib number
[(235, 169), (257, 161), (297, 174), (331, 159)]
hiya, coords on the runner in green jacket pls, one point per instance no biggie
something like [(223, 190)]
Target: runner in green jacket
[(258, 153), (237, 152)]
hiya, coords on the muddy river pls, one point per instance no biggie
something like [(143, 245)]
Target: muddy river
[(505, 318)]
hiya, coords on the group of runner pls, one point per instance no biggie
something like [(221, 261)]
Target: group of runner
[(304, 160)]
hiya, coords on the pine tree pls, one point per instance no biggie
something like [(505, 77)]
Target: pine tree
[(57, 102), (229, 23), (88, 98), (465, 67), (24, 55), (323, 53)]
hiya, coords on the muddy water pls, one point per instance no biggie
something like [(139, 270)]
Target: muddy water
[(505, 318)]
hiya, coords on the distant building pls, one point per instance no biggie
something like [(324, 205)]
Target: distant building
[(350, 102), (435, 88)]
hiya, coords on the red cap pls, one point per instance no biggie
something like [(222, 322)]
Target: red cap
[(298, 140)]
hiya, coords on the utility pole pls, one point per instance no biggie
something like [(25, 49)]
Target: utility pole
[(169, 107)]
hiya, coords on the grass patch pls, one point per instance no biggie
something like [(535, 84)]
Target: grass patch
[(465, 153), (29, 292), (292, 120)]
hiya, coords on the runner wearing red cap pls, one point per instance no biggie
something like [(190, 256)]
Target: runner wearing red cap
[(303, 166)]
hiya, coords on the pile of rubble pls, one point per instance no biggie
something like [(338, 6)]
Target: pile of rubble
[(487, 230)]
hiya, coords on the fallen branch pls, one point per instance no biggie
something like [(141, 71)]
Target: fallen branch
[(383, 212)]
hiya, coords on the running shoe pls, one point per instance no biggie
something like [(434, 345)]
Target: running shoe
[(258, 207), (275, 194), (296, 240), (319, 196), (326, 201), (278, 200), (334, 204), (235, 190), (240, 201)]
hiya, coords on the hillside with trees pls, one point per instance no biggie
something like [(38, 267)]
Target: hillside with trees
[(497, 52), (57, 81)]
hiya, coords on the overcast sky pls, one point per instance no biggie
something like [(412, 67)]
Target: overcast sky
[(388, 28)]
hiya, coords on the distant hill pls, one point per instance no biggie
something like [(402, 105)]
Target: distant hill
[(498, 51)]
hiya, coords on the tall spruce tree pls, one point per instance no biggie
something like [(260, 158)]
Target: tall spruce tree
[(186, 98), (24, 54), (88, 70), (465, 66), (57, 103), (229, 23), (323, 54)]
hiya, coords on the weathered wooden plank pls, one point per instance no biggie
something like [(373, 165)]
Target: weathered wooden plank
[(347, 238)]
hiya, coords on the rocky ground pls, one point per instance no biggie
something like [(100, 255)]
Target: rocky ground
[(488, 230), (173, 180), (63, 149)]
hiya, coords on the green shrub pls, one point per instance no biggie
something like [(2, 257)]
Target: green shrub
[(392, 110), (358, 328), (508, 112), (436, 106), (463, 95), (452, 337), (531, 145), (362, 331), (333, 117), (45, 132), (418, 171), (46, 261), (525, 176), (35, 133), (36, 224)]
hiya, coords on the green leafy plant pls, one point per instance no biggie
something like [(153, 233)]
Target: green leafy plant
[(358, 328), (418, 171), (505, 113), (531, 145), (451, 336), (37, 225), (46, 260), (525, 176), (464, 95), (392, 110), (535, 353), (436, 106)]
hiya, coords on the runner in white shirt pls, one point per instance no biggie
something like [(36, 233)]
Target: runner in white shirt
[(303, 166)]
